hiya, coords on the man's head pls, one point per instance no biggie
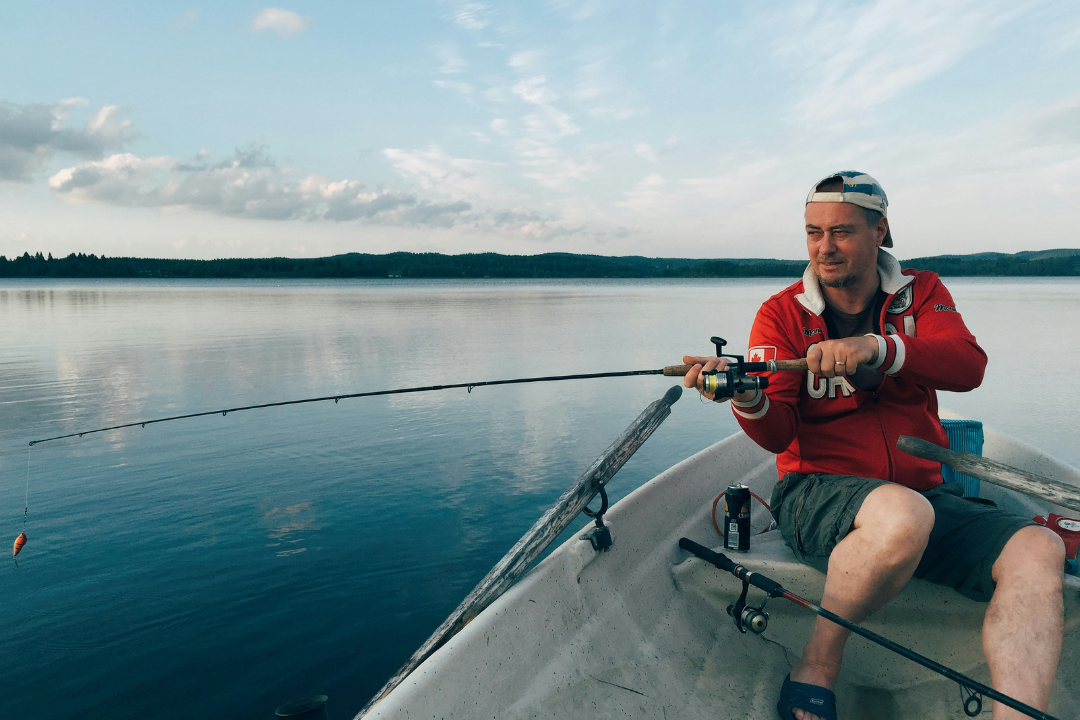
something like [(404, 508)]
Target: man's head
[(845, 225)]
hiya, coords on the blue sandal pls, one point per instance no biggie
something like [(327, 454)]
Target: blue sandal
[(812, 698)]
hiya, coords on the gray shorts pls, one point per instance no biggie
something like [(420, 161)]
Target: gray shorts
[(815, 512)]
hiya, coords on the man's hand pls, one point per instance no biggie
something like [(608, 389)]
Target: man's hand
[(832, 358), (693, 378)]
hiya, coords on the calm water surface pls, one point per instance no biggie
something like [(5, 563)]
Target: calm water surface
[(219, 567)]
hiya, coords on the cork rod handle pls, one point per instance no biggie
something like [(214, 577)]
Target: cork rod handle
[(774, 366)]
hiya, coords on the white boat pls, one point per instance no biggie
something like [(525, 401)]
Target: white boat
[(640, 630)]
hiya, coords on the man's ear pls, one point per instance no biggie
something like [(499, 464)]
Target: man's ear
[(881, 230)]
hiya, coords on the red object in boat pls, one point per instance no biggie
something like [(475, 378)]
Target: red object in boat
[(1068, 528), (19, 542)]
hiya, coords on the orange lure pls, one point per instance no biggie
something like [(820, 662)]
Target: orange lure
[(19, 542)]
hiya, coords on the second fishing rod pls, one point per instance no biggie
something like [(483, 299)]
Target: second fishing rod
[(721, 383)]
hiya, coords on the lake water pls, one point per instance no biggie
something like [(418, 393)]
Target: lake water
[(222, 566)]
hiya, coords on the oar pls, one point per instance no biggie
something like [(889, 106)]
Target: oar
[(533, 543), (994, 472)]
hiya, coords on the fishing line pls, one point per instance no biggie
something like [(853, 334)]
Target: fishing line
[(26, 508)]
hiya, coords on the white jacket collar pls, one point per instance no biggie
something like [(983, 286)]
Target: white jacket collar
[(888, 267)]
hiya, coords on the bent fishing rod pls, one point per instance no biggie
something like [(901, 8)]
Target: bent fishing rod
[(756, 620), (723, 383)]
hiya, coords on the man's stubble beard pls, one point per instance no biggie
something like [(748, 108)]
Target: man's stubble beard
[(840, 282)]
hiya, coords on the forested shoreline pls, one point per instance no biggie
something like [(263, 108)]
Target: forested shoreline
[(1047, 263)]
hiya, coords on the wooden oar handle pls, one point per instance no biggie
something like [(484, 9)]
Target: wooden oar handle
[(995, 472), (773, 366)]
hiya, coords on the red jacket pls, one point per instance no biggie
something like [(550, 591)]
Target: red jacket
[(827, 425)]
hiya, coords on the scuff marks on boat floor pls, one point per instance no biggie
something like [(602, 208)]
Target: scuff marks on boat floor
[(622, 687)]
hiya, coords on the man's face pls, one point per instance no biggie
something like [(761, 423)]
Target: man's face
[(843, 248)]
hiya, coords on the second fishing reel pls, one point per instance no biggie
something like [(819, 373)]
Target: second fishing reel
[(748, 617), (725, 383)]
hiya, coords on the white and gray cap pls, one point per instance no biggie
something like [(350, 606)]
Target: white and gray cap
[(858, 189)]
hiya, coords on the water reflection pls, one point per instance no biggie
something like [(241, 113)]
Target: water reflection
[(240, 562)]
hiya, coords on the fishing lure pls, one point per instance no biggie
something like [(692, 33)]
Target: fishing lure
[(19, 542)]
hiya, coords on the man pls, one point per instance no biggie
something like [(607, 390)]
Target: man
[(879, 343)]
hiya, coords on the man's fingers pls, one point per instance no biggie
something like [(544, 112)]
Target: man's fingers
[(813, 359), (699, 365), (828, 363), (695, 360)]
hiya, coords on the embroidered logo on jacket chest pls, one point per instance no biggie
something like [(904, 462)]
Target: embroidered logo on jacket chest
[(901, 302)]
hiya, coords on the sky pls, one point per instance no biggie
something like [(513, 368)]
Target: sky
[(665, 129)]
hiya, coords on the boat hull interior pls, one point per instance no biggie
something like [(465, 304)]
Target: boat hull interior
[(640, 630)]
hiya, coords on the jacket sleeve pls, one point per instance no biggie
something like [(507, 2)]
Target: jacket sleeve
[(942, 354), (771, 417)]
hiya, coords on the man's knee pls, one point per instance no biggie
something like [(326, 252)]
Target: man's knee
[(897, 517), (1031, 552)]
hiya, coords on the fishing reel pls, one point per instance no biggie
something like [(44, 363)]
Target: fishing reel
[(725, 383), (746, 617)]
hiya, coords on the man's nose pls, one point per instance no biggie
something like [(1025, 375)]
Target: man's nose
[(827, 243)]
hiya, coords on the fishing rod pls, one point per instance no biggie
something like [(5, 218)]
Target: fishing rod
[(756, 620), (724, 383)]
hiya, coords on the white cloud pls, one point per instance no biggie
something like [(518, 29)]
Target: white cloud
[(30, 135), (1063, 40), (534, 90), (187, 19), (434, 169), (471, 15), (878, 50), (577, 10), (651, 196), (282, 22), (247, 185), (525, 59), (464, 88), (653, 153), (450, 61)]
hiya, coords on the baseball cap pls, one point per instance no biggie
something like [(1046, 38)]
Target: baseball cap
[(858, 189)]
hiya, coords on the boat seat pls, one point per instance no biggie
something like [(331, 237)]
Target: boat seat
[(930, 619)]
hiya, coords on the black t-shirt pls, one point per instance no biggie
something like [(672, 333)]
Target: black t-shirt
[(843, 325)]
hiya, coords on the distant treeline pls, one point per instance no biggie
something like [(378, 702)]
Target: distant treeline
[(395, 265), (1045, 263), (492, 265)]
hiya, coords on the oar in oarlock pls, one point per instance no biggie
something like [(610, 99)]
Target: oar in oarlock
[(756, 620), (994, 472), (19, 542), (724, 383)]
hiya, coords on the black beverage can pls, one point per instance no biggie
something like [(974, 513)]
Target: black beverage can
[(737, 518)]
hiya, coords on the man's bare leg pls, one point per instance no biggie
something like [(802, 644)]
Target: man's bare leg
[(1023, 628), (866, 569)]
